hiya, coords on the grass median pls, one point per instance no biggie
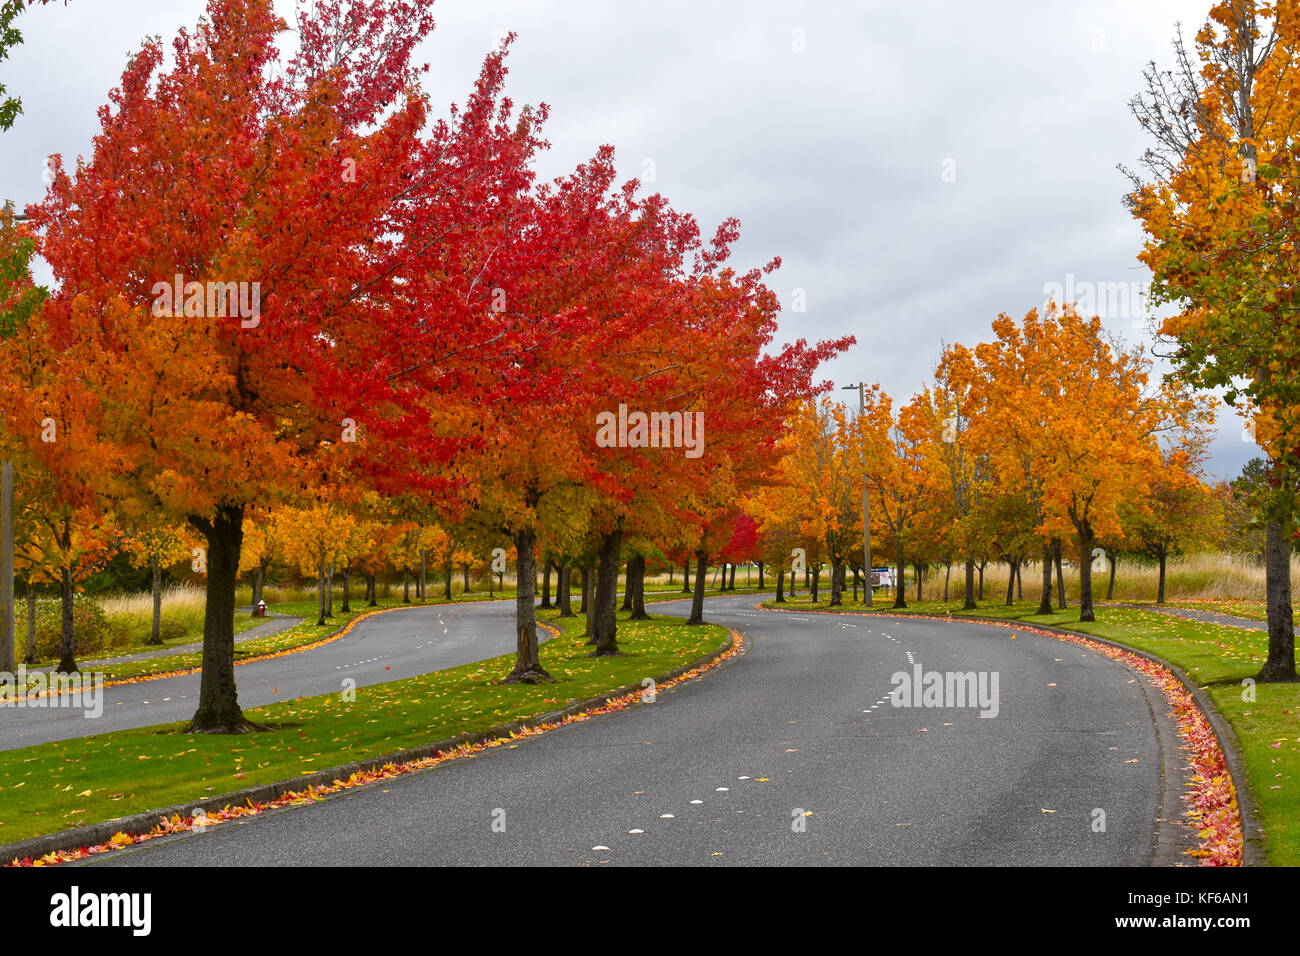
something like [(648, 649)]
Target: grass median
[(1217, 657), (57, 786)]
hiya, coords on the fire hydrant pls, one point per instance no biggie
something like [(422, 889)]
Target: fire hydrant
[(260, 610)]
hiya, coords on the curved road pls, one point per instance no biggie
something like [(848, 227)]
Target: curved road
[(383, 648), (725, 769)]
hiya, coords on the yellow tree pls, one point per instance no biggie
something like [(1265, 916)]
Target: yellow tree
[(266, 544), (1009, 414), (1085, 421), (1220, 204), (316, 533), (956, 471), (892, 456)]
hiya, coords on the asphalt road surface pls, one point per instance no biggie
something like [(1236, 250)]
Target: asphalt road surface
[(386, 647), (790, 754)]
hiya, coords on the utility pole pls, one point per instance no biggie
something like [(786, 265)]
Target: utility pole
[(7, 567), (866, 510), (7, 558)]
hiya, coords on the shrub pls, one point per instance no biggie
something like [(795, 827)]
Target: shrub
[(93, 631)]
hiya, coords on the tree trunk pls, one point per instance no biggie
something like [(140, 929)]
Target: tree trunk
[(546, 584), (1087, 541), (329, 589), (1020, 584), (1163, 557), (1011, 582), (969, 603), (406, 587), (919, 575), (686, 576), (780, 586), (465, 576), (607, 596), (816, 582), (424, 575), (564, 596), (760, 577), (1045, 604), (1280, 665), (1110, 588), (1060, 576), (733, 578), (900, 595), (374, 591), (347, 586), (697, 601), (629, 583), (259, 581), (31, 623), (589, 604), (855, 584), (836, 594), (446, 578), (67, 641), (155, 632), (980, 568), (638, 590), (218, 711), (527, 670), (947, 573), (320, 594)]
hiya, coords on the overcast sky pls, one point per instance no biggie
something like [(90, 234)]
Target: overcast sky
[(919, 167)]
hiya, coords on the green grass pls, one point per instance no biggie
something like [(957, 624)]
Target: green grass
[(1218, 658), (52, 787)]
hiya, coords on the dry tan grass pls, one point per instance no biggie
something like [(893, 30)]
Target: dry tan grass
[(1195, 577), (179, 600), (1191, 577)]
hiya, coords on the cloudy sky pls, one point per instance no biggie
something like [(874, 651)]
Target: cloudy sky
[(918, 166)]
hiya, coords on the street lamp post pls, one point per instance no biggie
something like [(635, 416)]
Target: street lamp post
[(866, 520)]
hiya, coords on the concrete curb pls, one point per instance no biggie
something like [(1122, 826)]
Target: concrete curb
[(141, 823), (1252, 835)]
